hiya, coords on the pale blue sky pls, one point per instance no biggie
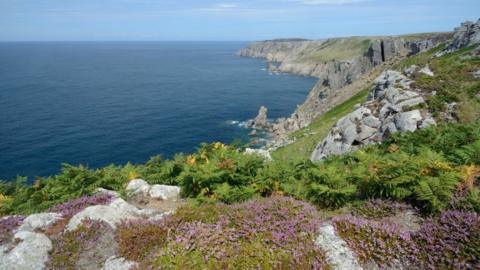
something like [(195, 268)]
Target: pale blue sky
[(225, 20)]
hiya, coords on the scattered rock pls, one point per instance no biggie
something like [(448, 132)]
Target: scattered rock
[(338, 254), (164, 192), (112, 214), (261, 152), (118, 263), (476, 74), (427, 71), (253, 133), (467, 34), (390, 107), (410, 70), (39, 221), (31, 253), (102, 191), (136, 186), (104, 248)]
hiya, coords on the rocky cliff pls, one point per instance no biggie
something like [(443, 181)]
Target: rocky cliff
[(394, 104), (338, 63)]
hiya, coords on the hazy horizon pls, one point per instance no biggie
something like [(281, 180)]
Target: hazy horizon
[(211, 20)]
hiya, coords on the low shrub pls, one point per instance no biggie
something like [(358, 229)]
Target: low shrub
[(451, 241), (383, 243), (67, 248), (70, 208), (272, 233), (8, 225), (377, 208)]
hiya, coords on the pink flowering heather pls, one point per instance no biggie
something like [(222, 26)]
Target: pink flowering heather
[(377, 208), (8, 225), (384, 243), (72, 207), (273, 233), (451, 241)]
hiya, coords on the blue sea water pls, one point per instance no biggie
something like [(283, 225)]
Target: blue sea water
[(97, 103)]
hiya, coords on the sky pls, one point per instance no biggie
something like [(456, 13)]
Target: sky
[(225, 20)]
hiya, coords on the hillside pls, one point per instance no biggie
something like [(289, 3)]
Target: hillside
[(389, 179), (344, 66)]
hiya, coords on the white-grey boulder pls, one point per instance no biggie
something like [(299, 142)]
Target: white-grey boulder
[(261, 152), (427, 71), (112, 214), (137, 186), (102, 191), (31, 253), (118, 263), (39, 221), (164, 192), (338, 254)]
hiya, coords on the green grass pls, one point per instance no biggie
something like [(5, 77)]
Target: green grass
[(307, 138), (336, 49)]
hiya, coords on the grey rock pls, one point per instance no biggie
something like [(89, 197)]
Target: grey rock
[(102, 191), (338, 254), (31, 253), (261, 152), (137, 186), (427, 71), (476, 74), (164, 192), (407, 121), (410, 70), (39, 221), (118, 263), (112, 214), (260, 121), (388, 110)]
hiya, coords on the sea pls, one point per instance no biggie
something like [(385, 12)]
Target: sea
[(101, 103)]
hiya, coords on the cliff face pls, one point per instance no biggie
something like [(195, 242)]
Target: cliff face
[(338, 63)]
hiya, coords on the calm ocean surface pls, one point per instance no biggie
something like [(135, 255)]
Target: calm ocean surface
[(98, 103)]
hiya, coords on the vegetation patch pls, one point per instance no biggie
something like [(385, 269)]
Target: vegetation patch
[(272, 233), (8, 225)]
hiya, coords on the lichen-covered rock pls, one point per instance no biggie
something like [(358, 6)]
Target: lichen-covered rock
[(467, 34), (137, 186), (164, 192), (336, 249), (118, 263), (39, 221), (427, 71), (102, 191), (390, 107), (112, 214), (30, 253)]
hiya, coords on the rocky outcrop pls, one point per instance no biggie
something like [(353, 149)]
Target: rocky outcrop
[(31, 253), (466, 35), (160, 192), (336, 74), (260, 121), (30, 245), (393, 105), (336, 249)]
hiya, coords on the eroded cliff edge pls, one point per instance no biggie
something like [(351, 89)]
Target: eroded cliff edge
[(344, 67)]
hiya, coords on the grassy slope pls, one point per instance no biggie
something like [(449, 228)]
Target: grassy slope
[(308, 138), (336, 49)]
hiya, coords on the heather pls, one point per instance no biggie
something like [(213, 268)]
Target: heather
[(8, 225), (378, 208), (70, 208), (273, 233), (69, 245), (450, 241), (382, 242)]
